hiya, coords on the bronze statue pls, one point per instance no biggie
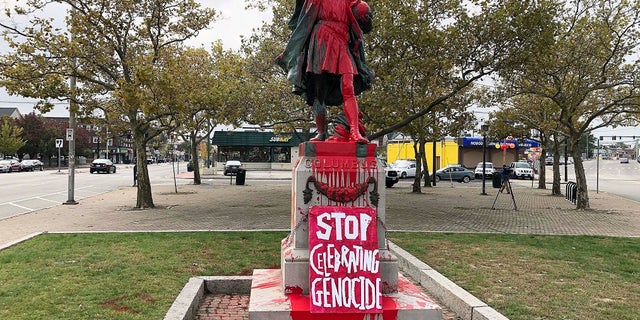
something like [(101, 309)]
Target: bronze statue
[(324, 59)]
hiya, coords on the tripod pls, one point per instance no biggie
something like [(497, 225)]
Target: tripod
[(506, 184)]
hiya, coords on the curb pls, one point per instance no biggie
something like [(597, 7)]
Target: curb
[(23, 239)]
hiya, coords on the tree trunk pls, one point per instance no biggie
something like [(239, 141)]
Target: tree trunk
[(582, 202), (194, 159), (427, 176), (542, 178), (418, 148), (555, 190), (144, 196)]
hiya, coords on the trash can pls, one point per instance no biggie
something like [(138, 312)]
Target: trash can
[(240, 176), (497, 180)]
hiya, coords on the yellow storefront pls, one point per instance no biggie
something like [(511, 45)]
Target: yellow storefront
[(446, 152)]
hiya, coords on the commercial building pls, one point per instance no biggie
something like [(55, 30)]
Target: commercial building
[(263, 150), (466, 151)]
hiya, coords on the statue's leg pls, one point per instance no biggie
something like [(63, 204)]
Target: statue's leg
[(320, 111), (351, 109)]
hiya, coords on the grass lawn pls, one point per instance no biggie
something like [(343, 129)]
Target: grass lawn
[(121, 275), (138, 275), (538, 277)]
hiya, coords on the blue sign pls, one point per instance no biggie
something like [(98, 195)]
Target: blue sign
[(477, 142)]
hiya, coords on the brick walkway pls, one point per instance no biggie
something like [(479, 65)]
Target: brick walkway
[(224, 307)]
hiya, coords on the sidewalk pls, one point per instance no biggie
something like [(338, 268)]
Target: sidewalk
[(264, 203)]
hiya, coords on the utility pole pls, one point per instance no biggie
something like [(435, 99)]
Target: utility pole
[(73, 107), (484, 128)]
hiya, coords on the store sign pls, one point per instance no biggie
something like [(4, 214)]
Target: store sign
[(280, 139), (344, 262)]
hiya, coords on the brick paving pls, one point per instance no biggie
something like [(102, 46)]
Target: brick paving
[(265, 205), (224, 307)]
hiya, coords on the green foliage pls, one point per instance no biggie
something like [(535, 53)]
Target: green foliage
[(113, 49), (10, 137), (426, 54)]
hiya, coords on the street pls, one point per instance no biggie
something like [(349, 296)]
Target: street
[(22, 192)]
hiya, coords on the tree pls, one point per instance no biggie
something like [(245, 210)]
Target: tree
[(424, 54), (113, 49), (32, 131), (204, 86), (525, 114), (10, 140), (428, 52), (585, 67)]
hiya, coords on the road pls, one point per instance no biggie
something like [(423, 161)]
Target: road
[(23, 192), (614, 177)]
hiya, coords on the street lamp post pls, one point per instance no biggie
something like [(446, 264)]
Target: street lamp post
[(73, 108), (484, 129)]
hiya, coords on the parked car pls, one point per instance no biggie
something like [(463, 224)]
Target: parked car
[(102, 165), (231, 167), (404, 168), (488, 169), (569, 160), (457, 173), (548, 161), (624, 160), (31, 165), (12, 165), (5, 166), (521, 170), (390, 175)]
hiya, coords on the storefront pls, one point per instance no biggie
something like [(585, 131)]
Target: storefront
[(498, 152), (257, 150)]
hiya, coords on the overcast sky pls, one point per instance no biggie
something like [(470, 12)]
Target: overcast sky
[(234, 22)]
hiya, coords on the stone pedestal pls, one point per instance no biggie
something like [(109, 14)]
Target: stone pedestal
[(328, 176), (269, 302), (333, 174)]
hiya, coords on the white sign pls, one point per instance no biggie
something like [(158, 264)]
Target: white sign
[(109, 142), (70, 134), (59, 143), (344, 261)]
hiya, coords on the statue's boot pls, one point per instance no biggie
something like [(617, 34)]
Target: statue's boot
[(321, 127), (351, 111)]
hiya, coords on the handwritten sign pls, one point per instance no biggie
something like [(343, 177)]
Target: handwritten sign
[(344, 261)]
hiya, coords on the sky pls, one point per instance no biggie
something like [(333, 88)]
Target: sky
[(234, 22)]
